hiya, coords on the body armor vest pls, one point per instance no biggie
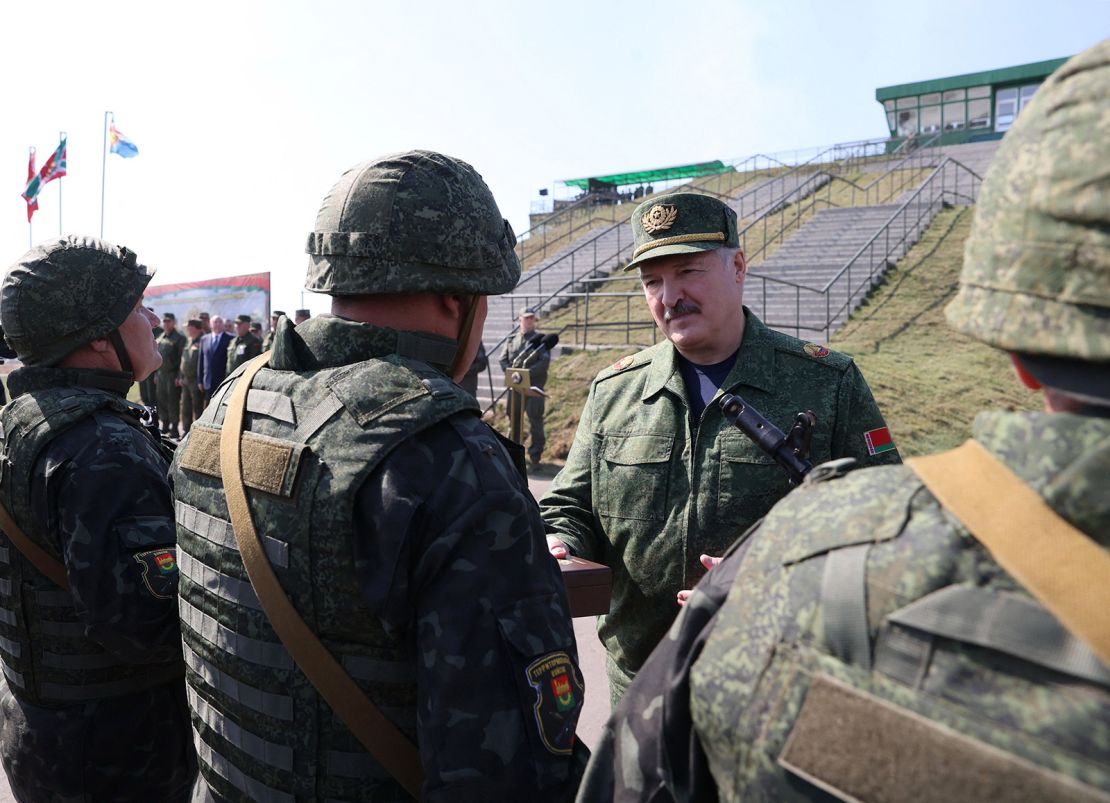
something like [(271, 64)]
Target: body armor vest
[(310, 441), (46, 656)]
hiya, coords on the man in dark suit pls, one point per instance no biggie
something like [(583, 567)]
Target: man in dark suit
[(212, 364)]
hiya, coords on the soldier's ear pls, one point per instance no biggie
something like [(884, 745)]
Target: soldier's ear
[(101, 345)]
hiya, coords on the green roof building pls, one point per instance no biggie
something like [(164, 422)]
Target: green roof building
[(963, 108)]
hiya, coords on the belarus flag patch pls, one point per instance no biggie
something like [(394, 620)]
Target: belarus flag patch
[(878, 441)]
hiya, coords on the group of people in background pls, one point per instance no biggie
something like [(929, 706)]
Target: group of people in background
[(196, 362)]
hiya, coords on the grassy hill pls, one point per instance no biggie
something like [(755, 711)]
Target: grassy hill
[(928, 380)]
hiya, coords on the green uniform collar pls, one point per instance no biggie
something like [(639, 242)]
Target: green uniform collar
[(754, 366), (328, 341)]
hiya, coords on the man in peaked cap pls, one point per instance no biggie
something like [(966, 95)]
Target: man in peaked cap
[(657, 481), (245, 346), (936, 631), (268, 340), (93, 707), (301, 315), (399, 526), (171, 345), (192, 396), (526, 349)]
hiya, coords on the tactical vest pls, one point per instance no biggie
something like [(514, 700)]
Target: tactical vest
[(46, 656), (310, 441)]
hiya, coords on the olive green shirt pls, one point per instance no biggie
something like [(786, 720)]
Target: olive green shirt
[(170, 346), (646, 491)]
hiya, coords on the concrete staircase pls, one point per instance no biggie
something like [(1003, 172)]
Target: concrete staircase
[(784, 289)]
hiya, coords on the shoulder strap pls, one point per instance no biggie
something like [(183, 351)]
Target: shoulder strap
[(1058, 564), (376, 733), (42, 560)]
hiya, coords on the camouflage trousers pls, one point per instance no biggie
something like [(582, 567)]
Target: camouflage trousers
[(169, 400), (192, 405)]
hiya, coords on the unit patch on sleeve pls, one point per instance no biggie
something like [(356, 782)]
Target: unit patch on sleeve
[(878, 441), (159, 571), (559, 696)]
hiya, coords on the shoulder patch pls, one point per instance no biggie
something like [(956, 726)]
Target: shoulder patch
[(878, 441), (815, 350), (159, 571), (559, 697)]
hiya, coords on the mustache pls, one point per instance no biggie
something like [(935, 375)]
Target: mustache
[(683, 307)]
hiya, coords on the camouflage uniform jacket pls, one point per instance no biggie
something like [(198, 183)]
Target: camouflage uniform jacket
[(171, 345), (190, 358), (241, 349), (725, 688), (402, 531), (645, 490), (94, 704)]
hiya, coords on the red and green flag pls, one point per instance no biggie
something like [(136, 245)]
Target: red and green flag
[(34, 185), (55, 166)]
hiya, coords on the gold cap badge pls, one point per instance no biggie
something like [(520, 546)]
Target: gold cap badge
[(659, 218)]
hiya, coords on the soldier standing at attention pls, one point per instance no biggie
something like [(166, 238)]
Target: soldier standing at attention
[(936, 631), (148, 388), (402, 556), (93, 707), (244, 346), (192, 397), (171, 345), (268, 340), (657, 480), (525, 349)]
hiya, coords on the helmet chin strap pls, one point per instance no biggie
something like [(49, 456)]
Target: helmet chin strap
[(121, 352), (466, 326)]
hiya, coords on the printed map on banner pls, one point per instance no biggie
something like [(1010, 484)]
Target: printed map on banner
[(228, 297)]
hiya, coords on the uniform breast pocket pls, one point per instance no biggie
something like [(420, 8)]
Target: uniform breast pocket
[(749, 485), (633, 476)]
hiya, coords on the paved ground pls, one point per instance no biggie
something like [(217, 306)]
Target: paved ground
[(591, 656)]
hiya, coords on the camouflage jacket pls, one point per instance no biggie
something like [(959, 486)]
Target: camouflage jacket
[(94, 707), (242, 348), (951, 639), (406, 536), (645, 490), (190, 358), (171, 346)]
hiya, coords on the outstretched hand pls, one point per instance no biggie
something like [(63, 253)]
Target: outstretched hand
[(708, 561)]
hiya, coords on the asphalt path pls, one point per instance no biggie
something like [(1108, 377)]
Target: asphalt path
[(591, 658)]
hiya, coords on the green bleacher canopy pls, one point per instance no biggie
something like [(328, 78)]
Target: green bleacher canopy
[(649, 176)]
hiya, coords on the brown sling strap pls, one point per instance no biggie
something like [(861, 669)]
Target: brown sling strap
[(376, 733), (1062, 567), (42, 560)]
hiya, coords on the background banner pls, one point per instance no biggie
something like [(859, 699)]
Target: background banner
[(228, 297)]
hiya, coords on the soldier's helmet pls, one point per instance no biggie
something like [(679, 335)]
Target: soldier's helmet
[(63, 294), (1036, 274), (414, 222)]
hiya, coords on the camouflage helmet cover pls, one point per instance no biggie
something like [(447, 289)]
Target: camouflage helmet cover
[(65, 293), (414, 222), (1036, 275)]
